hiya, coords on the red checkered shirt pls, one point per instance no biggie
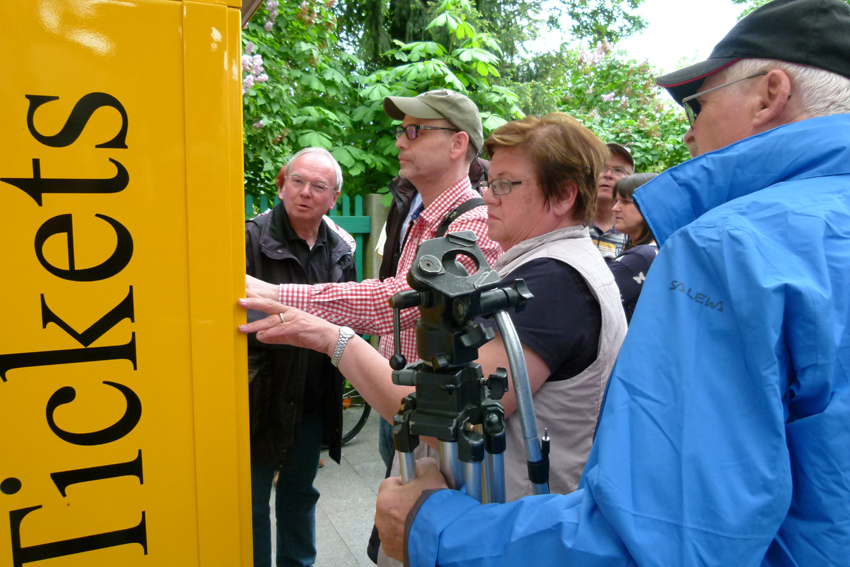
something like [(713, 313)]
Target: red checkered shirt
[(364, 306)]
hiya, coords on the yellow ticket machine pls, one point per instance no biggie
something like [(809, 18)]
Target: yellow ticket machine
[(123, 388)]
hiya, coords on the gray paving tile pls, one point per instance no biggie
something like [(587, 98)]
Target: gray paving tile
[(346, 509)]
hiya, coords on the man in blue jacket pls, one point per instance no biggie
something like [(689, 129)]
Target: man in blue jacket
[(725, 434)]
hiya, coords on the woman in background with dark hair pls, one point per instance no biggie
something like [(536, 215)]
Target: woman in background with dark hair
[(631, 266)]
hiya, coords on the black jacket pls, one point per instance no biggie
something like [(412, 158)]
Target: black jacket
[(403, 193), (281, 372)]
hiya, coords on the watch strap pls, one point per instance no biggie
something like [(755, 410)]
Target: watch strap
[(345, 333)]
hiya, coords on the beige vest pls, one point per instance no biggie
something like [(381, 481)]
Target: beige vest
[(568, 408)]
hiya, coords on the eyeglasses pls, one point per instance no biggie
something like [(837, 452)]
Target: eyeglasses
[(692, 105), (412, 130), (316, 187), (617, 171), (499, 186)]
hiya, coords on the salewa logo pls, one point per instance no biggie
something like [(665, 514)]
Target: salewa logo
[(700, 298)]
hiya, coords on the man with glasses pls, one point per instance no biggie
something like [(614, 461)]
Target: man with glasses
[(608, 241), (295, 394), (724, 435)]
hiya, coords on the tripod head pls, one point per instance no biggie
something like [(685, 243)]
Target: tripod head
[(450, 299)]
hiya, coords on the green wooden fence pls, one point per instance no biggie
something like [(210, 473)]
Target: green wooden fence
[(349, 218)]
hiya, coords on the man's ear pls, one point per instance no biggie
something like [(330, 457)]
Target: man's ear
[(563, 206), (773, 100), (460, 141)]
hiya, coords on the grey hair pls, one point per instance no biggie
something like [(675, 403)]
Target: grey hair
[(821, 93), (325, 153)]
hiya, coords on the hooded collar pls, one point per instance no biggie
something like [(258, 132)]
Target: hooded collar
[(815, 147)]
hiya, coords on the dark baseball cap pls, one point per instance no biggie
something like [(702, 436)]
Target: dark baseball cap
[(807, 32), (623, 151), (434, 105)]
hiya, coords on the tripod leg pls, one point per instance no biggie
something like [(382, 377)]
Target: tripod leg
[(472, 474), (450, 465), (404, 441), (408, 466), (494, 478)]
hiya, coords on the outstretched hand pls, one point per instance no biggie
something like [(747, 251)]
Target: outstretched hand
[(296, 328), (395, 500)]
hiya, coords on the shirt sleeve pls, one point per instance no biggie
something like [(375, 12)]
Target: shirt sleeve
[(690, 465), (364, 306)]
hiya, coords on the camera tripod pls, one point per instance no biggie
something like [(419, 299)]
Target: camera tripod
[(452, 401)]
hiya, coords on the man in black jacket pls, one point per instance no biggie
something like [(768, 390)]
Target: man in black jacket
[(295, 394)]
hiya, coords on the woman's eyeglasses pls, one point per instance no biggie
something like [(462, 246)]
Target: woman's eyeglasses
[(499, 187)]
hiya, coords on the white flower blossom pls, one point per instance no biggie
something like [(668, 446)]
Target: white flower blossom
[(249, 48), (268, 26), (262, 78), (608, 97), (258, 124)]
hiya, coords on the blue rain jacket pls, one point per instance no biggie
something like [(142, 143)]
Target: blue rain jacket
[(725, 435)]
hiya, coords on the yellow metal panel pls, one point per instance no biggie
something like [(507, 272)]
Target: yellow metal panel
[(123, 400)]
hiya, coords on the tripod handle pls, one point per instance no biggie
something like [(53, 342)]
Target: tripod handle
[(399, 301), (538, 463)]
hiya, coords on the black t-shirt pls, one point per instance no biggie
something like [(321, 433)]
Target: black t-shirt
[(630, 271), (563, 322)]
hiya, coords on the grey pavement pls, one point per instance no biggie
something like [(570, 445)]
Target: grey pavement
[(346, 509)]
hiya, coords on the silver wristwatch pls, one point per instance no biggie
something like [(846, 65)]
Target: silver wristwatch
[(345, 333)]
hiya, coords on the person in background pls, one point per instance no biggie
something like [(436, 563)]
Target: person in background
[(295, 395), (631, 266), (607, 239)]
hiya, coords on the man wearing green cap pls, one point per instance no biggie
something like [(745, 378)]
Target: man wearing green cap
[(724, 435)]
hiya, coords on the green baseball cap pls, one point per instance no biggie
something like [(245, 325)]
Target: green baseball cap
[(434, 105)]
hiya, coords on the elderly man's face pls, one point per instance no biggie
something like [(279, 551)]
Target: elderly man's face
[(308, 191), (725, 117)]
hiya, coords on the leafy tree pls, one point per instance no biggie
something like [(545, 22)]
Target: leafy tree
[(614, 96), (302, 94), (597, 21), (309, 92), (370, 26)]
